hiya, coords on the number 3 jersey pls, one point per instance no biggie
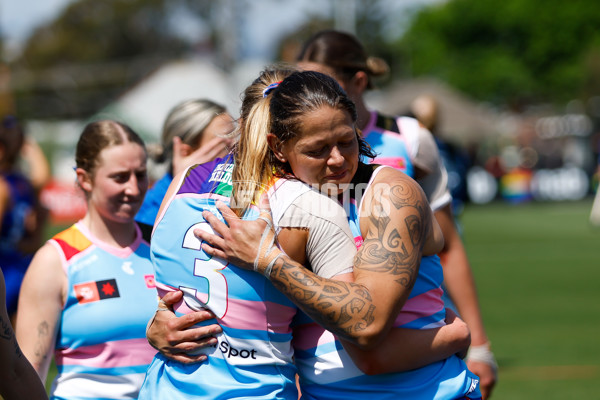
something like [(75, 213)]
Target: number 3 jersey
[(254, 356)]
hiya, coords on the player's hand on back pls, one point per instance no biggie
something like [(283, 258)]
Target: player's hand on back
[(176, 337)]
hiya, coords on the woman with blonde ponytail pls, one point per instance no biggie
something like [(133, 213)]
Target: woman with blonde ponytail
[(255, 120), (251, 355)]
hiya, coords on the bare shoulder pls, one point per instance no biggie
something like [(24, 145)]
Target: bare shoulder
[(391, 175), (47, 253), (398, 187), (46, 267)]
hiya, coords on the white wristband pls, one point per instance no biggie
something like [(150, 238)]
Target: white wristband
[(482, 353), (267, 241), (267, 271)]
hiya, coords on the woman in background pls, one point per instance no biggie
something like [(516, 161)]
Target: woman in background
[(195, 132), (89, 291)]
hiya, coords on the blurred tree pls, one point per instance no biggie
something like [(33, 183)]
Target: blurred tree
[(76, 64), (511, 52), (95, 31)]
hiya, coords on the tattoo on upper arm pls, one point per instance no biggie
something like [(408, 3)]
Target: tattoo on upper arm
[(419, 223), (41, 346), (396, 235)]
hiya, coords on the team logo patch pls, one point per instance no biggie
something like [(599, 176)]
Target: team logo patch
[(150, 281), (94, 291), (473, 387)]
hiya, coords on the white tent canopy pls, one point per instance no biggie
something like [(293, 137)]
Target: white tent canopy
[(145, 106)]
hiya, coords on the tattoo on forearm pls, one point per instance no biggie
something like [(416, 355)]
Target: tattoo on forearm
[(343, 304)]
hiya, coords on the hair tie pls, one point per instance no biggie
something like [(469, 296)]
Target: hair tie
[(269, 88)]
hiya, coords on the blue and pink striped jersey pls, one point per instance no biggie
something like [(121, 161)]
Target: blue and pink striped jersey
[(254, 356), (101, 349), (327, 371)]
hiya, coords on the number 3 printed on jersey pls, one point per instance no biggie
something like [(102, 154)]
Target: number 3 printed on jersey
[(207, 267)]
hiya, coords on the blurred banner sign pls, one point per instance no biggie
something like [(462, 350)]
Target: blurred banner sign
[(64, 201)]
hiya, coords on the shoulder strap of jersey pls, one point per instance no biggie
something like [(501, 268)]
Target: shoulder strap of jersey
[(388, 123), (361, 178)]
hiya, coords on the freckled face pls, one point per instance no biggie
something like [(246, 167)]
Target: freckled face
[(326, 150), (120, 182)]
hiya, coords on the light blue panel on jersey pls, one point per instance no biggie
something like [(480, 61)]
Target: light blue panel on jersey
[(88, 323), (171, 380), (391, 151)]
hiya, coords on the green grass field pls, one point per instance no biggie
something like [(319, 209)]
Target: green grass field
[(538, 268)]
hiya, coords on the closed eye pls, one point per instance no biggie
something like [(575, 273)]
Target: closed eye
[(315, 153)]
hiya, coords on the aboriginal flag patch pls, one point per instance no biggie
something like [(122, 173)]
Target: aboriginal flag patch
[(94, 291)]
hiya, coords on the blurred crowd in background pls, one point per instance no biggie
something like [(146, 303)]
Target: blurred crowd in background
[(518, 111)]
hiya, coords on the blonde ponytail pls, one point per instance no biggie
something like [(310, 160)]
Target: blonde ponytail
[(252, 171), (254, 161)]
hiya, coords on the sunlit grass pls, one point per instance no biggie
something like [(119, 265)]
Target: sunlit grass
[(537, 268)]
